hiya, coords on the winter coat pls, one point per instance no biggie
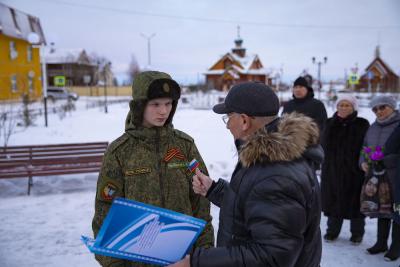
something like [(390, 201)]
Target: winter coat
[(270, 211), (341, 177), (392, 163), (379, 132), (308, 106), (150, 165)]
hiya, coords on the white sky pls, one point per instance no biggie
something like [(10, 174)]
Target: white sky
[(192, 35)]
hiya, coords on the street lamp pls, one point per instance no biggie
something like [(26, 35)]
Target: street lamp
[(148, 47), (319, 63), (34, 39)]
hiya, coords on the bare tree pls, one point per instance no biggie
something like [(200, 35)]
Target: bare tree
[(7, 122), (133, 68)]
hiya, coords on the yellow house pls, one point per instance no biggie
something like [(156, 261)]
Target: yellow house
[(20, 71)]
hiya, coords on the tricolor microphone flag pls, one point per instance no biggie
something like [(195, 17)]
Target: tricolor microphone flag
[(193, 165)]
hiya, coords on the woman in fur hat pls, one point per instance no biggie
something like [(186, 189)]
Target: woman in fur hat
[(341, 178)]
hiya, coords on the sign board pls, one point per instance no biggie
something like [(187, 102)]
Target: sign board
[(86, 79), (354, 79), (59, 80)]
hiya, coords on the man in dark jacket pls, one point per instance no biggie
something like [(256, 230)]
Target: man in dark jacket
[(304, 102), (270, 211)]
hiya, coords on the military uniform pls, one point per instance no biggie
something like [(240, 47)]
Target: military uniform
[(150, 164)]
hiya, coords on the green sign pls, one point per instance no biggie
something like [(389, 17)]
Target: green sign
[(354, 79), (59, 80)]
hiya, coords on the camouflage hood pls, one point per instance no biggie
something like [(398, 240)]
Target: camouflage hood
[(146, 86)]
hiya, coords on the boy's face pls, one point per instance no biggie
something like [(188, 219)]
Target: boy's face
[(157, 112)]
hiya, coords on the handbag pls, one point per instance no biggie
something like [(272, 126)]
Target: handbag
[(376, 193)]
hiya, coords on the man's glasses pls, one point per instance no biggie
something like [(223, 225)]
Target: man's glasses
[(380, 108), (225, 118)]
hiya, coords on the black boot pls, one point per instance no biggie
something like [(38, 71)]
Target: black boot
[(383, 234), (394, 250)]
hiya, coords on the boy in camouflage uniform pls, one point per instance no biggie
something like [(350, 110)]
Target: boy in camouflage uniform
[(148, 163)]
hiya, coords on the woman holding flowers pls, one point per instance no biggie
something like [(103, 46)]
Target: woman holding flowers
[(341, 177), (387, 119)]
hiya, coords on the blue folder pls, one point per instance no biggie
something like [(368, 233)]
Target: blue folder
[(140, 232)]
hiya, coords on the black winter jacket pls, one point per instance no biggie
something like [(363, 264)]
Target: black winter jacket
[(342, 178), (310, 107), (270, 211)]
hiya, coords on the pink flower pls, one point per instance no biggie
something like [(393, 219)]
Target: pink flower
[(367, 149), (377, 155)]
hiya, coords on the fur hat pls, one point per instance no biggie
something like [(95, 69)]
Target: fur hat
[(383, 100), (349, 98)]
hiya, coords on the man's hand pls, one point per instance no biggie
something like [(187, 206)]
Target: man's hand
[(182, 263), (201, 183), (364, 167)]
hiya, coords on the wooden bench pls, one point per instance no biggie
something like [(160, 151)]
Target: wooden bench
[(47, 160)]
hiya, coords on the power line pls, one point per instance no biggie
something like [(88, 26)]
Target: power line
[(229, 21)]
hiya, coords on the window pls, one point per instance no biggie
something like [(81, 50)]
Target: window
[(14, 83), (29, 53), (14, 17), (30, 84), (13, 50)]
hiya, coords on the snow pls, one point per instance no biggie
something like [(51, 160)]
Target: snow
[(44, 229)]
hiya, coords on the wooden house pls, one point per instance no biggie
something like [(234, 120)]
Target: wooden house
[(77, 68), (379, 77), (235, 67)]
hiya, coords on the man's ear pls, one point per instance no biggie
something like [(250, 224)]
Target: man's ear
[(246, 122)]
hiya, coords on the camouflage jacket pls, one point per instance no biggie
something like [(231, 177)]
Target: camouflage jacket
[(149, 165)]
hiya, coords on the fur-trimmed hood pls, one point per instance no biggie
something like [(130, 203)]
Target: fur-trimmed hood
[(295, 136)]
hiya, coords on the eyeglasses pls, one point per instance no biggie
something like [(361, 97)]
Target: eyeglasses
[(380, 108), (225, 118)]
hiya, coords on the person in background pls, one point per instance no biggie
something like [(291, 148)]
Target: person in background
[(341, 176), (270, 210), (304, 102), (148, 162), (387, 119)]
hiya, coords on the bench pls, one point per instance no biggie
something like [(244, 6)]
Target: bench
[(47, 160)]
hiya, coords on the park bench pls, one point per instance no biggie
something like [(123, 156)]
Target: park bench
[(47, 160)]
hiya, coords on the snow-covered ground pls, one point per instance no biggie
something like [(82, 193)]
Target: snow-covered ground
[(44, 229)]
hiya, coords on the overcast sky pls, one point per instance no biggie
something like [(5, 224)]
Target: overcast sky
[(192, 35)]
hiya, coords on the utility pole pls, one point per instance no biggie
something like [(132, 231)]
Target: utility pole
[(319, 63), (148, 38), (106, 71)]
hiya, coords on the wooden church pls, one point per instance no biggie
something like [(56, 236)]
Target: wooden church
[(379, 77), (235, 67)]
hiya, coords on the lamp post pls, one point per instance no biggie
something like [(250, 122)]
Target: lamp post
[(319, 63), (148, 47), (106, 70), (33, 38)]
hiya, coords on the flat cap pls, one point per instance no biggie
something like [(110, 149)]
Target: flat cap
[(250, 98)]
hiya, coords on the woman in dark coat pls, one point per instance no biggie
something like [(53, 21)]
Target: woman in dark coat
[(392, 163), (341, 177)]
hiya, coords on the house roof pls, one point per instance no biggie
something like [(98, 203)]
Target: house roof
[(381, 66), (62, 56), (17, 24), (244, 63)]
